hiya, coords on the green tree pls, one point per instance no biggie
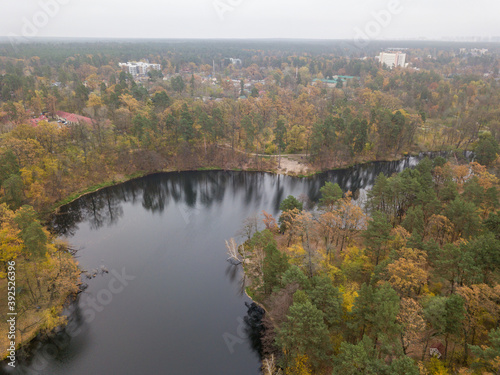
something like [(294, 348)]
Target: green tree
[(492, 223), (480, 259), (8, 165), (445, 315), (403, 365), (140, 124), (250, 131), (464, 216), (327, 299), (374, 314), (186, 124), (280, 137), (161, 101), (360, 129), (451, 264), (474, 192), (424, 168), (378, 196), (376, 236), (486, 150), (192, 84), (275, 264), (305, 333), (35, 240), (13, 188), (177, 84), (288, 204), (414, 220), (361, 358), (330, 194), (294, 275), (429, 202), (25, 216), (262, 238), (488, 356)]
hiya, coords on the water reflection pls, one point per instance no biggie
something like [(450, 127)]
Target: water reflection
[(254, 327), (59, 347), (201, 190), (168, 230)]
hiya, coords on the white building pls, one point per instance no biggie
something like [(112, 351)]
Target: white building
[(479, 51), (392, 59), (138, 67)]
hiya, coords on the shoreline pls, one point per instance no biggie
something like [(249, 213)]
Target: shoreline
[(140, 174), (94, 188)]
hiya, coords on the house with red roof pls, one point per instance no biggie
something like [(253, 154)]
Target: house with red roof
[(436, 349), (34, 121), (71, 118)]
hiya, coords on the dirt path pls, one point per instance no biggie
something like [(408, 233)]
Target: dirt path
[(294, 164), (290, 163)]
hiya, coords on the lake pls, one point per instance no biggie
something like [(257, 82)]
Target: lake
[(161, 297)]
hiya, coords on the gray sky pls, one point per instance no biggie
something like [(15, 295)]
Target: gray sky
[(315, 19)]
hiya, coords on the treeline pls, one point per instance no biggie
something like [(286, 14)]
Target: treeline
[(201, 111), (408, 287), (275, 102), (45, 270), (42, 273)]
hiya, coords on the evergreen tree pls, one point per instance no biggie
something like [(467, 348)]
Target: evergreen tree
[(304, 333)]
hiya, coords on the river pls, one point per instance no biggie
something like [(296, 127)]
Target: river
[(161, 298)]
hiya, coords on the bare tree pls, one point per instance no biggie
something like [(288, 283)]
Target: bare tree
[(232, 251), (250, 226), (269, 366)]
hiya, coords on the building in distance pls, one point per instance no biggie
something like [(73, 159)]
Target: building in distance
[(335, 81), (231, 61), (139, 68), (392, 59), (474, 51), (71, 118)]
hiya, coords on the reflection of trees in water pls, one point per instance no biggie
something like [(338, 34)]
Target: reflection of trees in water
[(236, 275), (154, 197), (356, 178), (98, 209), (56, 346), (212, 187), (279, 192), (203, 189), (254, 327), (105, 207), (65, 222)]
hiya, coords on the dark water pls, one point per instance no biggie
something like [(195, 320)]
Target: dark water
[(170, 303)]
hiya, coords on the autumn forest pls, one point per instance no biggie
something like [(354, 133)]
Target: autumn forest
[(406, 282)]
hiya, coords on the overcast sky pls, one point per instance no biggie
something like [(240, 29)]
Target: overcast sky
[(311, 19)]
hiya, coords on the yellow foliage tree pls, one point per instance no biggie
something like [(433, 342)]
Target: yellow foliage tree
[(299, 366), (408, 273)]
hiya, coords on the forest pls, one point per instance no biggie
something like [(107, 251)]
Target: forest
[(204, 112), (407, 284), (419, 247)]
